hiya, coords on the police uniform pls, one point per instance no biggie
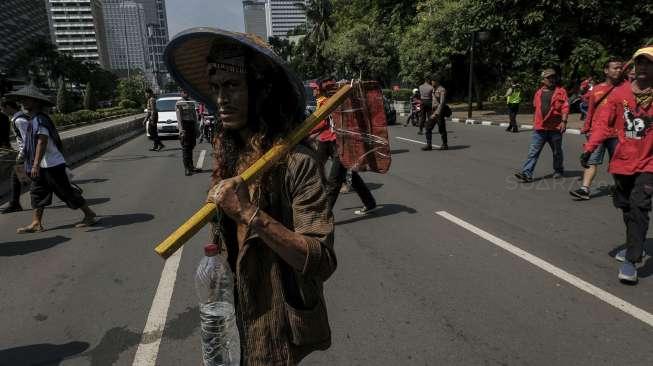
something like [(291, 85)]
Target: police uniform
[(187, 118)]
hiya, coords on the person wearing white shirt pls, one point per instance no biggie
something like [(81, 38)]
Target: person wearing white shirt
[(19, 123), (45, 163)]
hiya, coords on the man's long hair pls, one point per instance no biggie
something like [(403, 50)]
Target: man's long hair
[(273, 113)]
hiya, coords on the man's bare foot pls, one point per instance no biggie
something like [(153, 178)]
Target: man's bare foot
[(33, 228), (89, 220)]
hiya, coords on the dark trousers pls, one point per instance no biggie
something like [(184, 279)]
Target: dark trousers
[(442, 129), (337, 177), (187, 156), (154, 135), (425, 113), (513, 109), (54, 181), (633, 197)]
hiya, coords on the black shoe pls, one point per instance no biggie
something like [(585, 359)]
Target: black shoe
[(427, 148), (188, 172), (444, 147), (161, 147), (509, 129), (153, 149), (420, 132), (581, 193), (523, 177), (515, 129), (12, 208), (197, 170)]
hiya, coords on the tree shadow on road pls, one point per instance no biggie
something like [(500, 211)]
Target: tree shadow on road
[(41, 354), (383, 210), (89, 201), (111, 221), (13, 248)]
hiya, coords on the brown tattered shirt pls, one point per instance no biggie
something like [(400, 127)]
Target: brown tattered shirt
[(281, 312)]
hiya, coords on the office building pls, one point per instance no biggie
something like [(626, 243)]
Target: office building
[(255, 18), (77, 28), (126, 35), (22, 22), (156, 23), (283, 16)]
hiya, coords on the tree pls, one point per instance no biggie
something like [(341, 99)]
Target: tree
[(133, 88), (64, 103), (89, 97)]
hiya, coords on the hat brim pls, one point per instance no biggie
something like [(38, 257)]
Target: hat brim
[(186, 57), (18, 96), (644, 52)]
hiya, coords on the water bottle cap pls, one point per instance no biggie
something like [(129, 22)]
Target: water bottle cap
[(210, 250)]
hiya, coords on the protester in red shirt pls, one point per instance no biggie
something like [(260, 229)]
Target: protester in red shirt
[(550, 122), (630, 110), (613, 70)]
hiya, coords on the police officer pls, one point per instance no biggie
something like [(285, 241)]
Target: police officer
[(187, 119)]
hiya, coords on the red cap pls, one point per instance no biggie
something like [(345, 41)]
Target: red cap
[(210, 250)]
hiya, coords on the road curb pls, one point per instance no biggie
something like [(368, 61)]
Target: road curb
[(468, 121)]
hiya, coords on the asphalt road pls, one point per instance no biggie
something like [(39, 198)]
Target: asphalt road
[(423, 281)]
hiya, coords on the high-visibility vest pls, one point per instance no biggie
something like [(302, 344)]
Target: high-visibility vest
[(514, 97)]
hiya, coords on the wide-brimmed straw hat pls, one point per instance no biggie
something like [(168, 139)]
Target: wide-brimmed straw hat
[(31, 92), (187, 57), (644, 52)]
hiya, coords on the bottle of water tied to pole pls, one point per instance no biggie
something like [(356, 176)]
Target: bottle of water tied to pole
[(214, 284)]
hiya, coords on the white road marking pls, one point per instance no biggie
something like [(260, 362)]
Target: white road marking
[(148, 349), (415, 141), (602, 295), (200, 160), (486, 123)]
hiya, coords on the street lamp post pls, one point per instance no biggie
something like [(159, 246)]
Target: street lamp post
[(482, 36)]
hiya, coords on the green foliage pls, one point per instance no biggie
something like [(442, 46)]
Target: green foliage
[(401, 94), (133, 89), (128, 104), (84, 115)]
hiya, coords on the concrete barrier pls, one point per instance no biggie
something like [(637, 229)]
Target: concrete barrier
[(83, 143)]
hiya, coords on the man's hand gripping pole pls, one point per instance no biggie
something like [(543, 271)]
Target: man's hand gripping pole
[(180, 236)]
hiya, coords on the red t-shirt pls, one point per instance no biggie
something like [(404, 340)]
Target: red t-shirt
[(634, 153), (324, 129), (595, 95), (559, 109)]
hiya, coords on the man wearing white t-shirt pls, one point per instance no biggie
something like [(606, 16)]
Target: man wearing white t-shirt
[(45, 163), (19, 121)]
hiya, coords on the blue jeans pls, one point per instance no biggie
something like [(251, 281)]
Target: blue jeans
[(597, 156), (540, 137)]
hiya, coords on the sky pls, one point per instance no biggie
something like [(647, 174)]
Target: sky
[(184, 14)]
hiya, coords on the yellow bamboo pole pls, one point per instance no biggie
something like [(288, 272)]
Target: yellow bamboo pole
[(180, 236)]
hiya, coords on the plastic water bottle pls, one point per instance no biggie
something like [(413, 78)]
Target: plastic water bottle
[(214, 284)]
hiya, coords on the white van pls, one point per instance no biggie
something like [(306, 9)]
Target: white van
[(167, 125)]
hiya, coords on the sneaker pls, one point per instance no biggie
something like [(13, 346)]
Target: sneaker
[(557, 175), (621, 255), (12, 208), (523, 177), (364, 211), (628, 272), (427, 148), (581, 193)]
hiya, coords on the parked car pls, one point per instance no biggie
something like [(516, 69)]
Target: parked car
[(167, 125)]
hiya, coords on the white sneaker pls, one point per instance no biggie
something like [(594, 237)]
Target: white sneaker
[(364, 211)]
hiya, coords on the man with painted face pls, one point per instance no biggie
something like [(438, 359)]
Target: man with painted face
[(277, 231), (629, 109), (187, 119)]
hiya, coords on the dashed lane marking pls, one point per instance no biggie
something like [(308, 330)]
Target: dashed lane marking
[(415, 141), (602, 295), (200, 160)]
